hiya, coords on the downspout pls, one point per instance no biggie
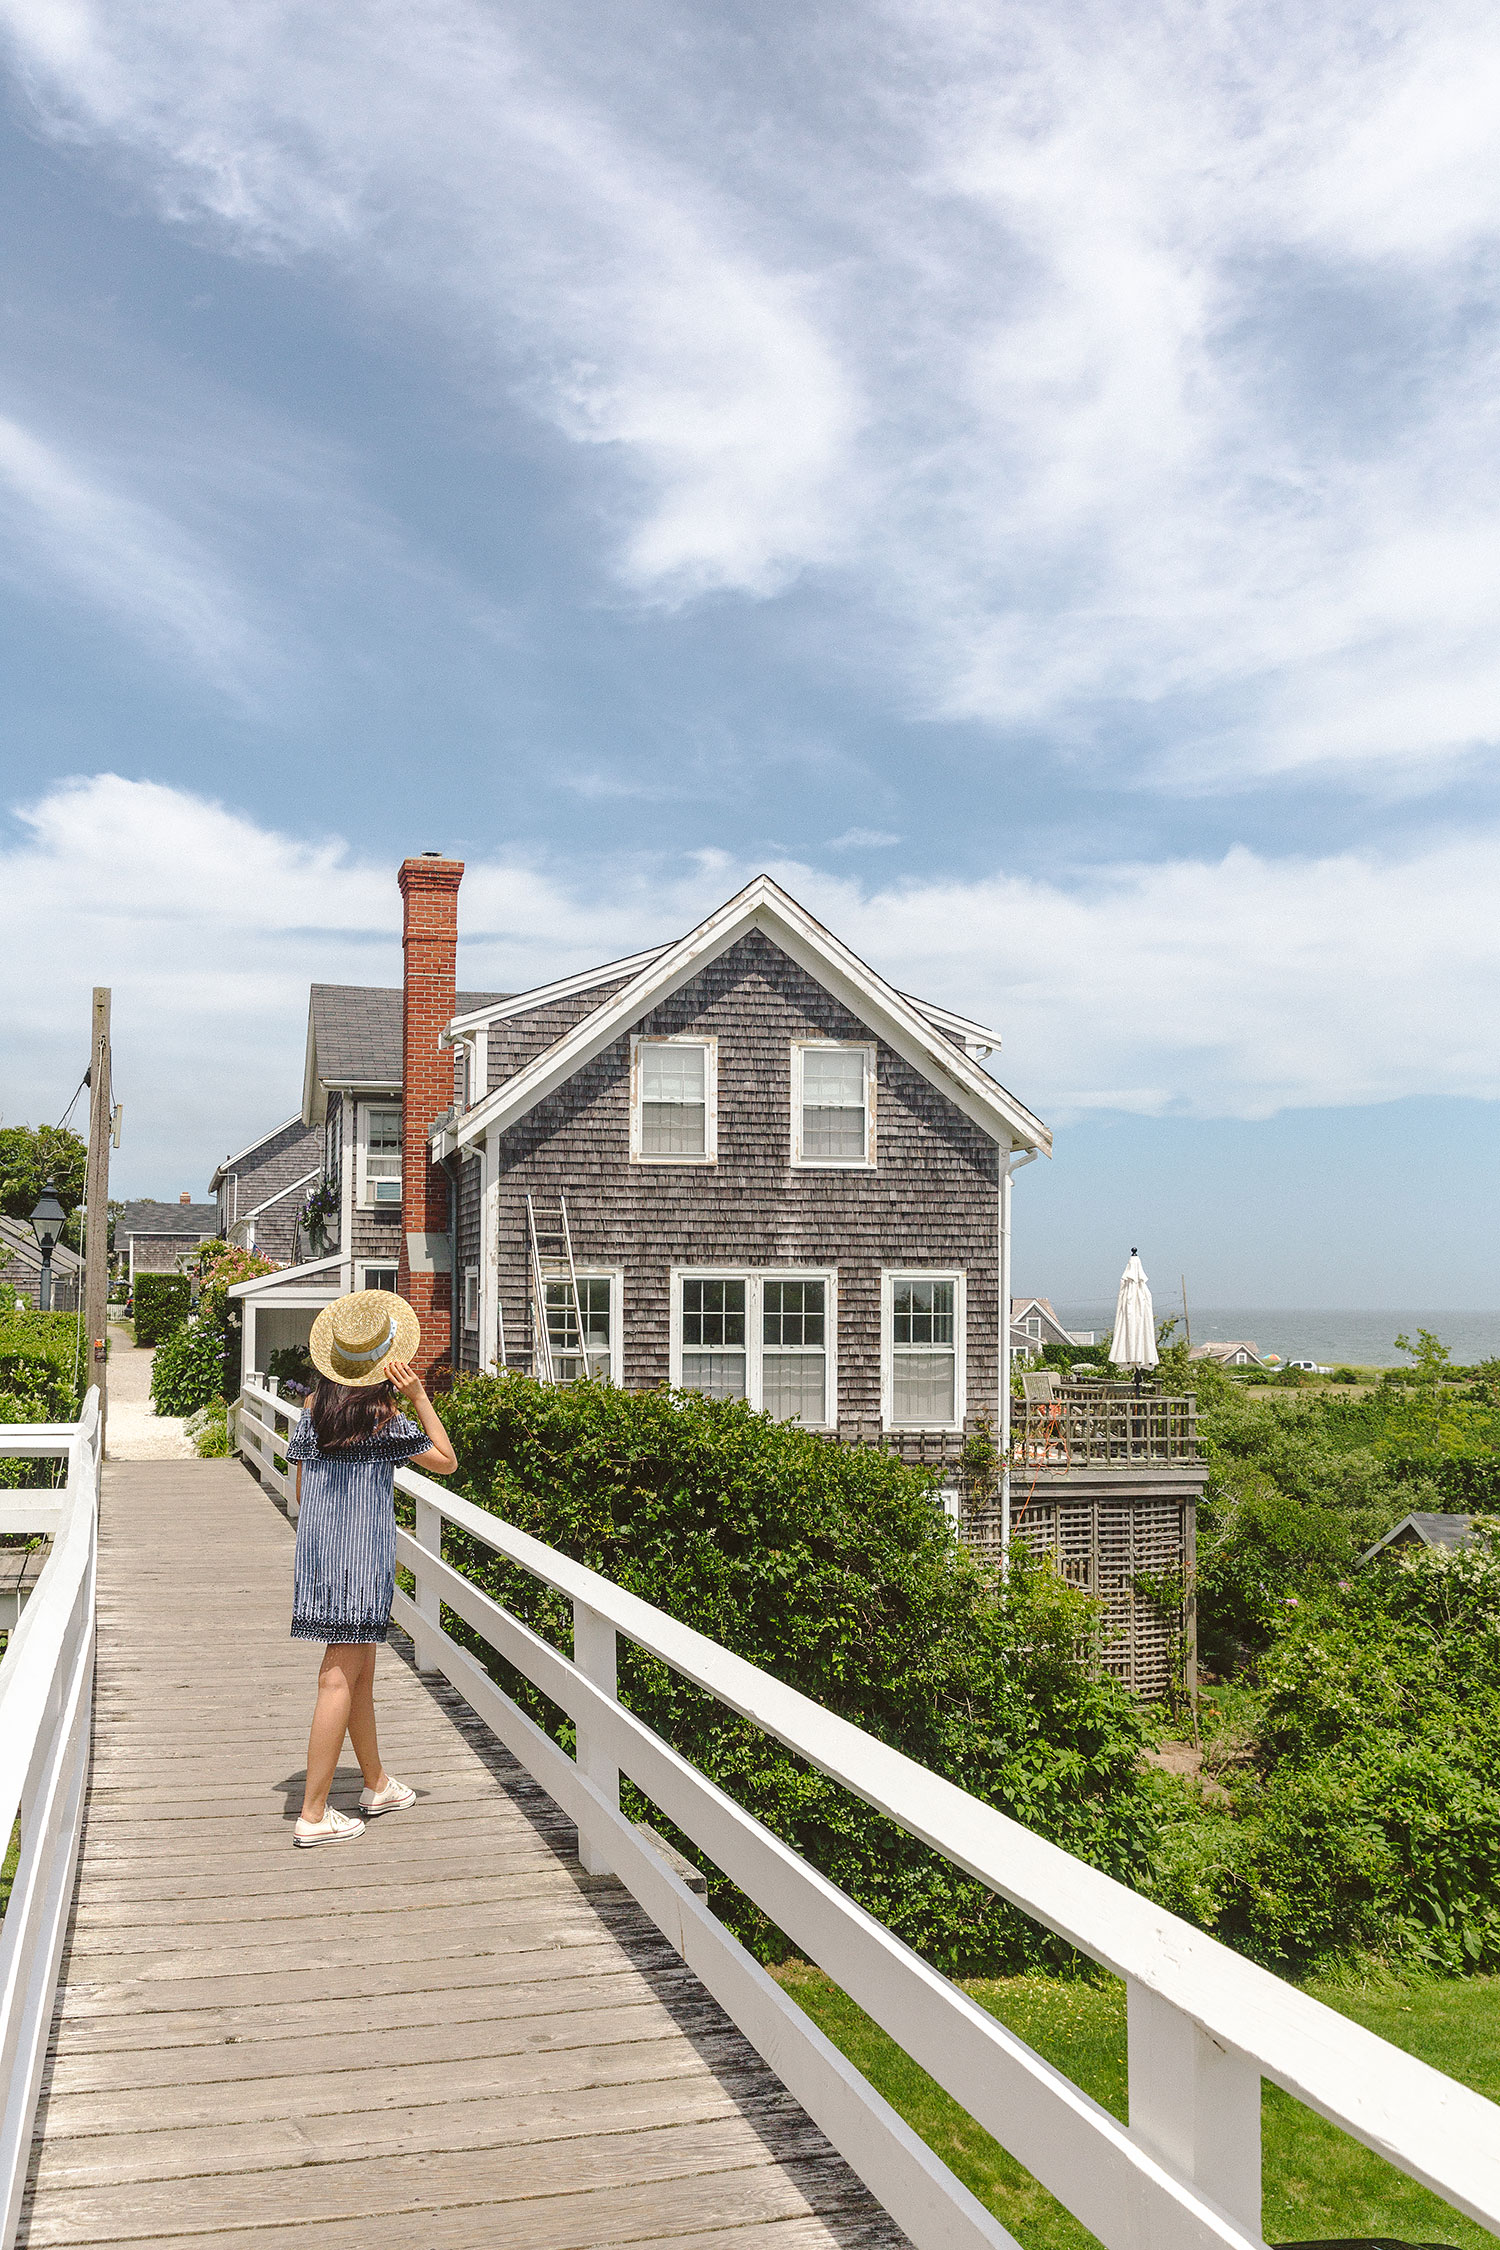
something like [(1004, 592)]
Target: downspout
[(450, 1166), (1010, 1163)]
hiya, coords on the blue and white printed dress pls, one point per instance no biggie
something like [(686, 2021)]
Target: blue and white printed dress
[(344, 1570)]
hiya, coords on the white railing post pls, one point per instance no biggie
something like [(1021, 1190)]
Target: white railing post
[(1194, 2104), (594, 1653), (429, 1537)]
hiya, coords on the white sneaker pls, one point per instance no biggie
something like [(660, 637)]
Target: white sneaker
[(394, 1797), (333, 1828)]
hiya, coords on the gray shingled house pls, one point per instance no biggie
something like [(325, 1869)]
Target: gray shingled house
[(156, 1237), (742, 1163), (260, 1189)]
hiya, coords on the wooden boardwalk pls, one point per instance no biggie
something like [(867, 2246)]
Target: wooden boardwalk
[(440, 2036)]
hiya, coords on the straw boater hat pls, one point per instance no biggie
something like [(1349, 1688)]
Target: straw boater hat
[(356, 1337)]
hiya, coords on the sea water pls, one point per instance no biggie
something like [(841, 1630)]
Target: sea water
[(1333, 1339)]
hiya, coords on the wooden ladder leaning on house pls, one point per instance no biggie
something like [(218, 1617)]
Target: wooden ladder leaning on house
[(552, 1246)]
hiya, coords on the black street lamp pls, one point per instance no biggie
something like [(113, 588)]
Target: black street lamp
[(47, 1222)]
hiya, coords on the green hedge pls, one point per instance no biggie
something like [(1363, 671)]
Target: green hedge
[(161, 1304), (835, 1568), (37, 1355)]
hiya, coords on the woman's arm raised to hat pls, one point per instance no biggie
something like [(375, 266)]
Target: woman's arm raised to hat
[(439, 1460)]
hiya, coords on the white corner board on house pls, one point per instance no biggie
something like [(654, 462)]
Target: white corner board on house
[(1204, 2025)]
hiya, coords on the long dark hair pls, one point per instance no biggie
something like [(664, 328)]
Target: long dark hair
[(347, 1413)]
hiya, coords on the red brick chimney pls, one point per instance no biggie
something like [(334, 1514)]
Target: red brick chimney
[(429, 941)]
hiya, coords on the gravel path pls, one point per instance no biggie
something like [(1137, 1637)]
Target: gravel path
[(136, 1431)]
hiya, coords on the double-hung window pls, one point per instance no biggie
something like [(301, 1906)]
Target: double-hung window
[(794, 1349), (767, 1338), (833, 1103), (471, 1297), (673, 1102), (923, 1350), (380, 1155), (596, 1352)]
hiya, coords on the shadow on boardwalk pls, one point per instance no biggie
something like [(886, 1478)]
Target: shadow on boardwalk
[(442, 2036)]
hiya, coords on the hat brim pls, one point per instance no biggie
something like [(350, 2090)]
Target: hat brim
[(321, 1346)]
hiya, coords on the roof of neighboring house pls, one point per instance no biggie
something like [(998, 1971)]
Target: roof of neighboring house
[(354, 1038), (1425, 1529), (1222, 1351), (18, 1241), (251, 1148), (167, 1218), (761, 905)]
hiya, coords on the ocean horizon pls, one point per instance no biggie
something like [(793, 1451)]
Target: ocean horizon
[(1333, 1338)]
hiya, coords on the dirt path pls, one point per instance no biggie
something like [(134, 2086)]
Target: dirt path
[(136, 1431)]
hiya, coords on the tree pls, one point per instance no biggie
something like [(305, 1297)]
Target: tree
[(32, 1155)]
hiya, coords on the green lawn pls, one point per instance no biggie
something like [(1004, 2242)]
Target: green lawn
[(8, 1866), (1318, 2183)]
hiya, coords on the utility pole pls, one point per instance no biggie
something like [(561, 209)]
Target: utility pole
[(96, 1204)]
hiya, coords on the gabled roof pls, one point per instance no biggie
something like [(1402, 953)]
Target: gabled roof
[(167, 1218), (311, 1270), (250, 1148), (765, 906), (1423, 1528), (18, 1241), (354, 1039)]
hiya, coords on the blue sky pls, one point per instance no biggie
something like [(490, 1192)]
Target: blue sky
[(1027, 475)]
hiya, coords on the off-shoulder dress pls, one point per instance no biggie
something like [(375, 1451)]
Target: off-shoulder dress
[(344, 1570)]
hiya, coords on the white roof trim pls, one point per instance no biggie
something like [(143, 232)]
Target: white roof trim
[(974, 1034), (249, 1147), (283, 1274), (246, 1216), (521, 1003), (762, 904)]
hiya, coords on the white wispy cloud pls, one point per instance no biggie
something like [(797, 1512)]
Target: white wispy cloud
[(1126, 370), (1232, 988), (64, 519)]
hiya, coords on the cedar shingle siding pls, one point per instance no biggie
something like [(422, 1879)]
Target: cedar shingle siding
[(261, 1172), (931, 1201)]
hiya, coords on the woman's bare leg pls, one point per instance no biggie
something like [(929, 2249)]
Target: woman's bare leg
[(362, 1721), (336, 1676)]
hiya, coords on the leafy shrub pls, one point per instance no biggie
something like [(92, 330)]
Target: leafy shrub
[(209, 1431), (37, 1359), (292, 1367), (188, 1370), (161, 1304), (834, 1568)]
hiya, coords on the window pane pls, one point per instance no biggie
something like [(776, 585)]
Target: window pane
[(568, 1362), (793, 1385), (792, 1312), (833, 1077), (922, 1311), (672, 1074), (923, 1386), (831, 1134), (379, 1277), (673, 1129), (713, 1312), (715, 1374)]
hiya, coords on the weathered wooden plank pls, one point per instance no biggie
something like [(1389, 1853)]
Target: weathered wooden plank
[(563, 2096), (317, 2061), (407, 2184), (813, 2195), (192, 1922)]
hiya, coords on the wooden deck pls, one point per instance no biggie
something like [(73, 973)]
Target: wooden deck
[(440, 2036)]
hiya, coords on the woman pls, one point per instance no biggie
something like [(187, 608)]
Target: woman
[(346, 1447)]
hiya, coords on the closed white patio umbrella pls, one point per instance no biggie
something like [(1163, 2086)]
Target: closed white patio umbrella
[(1133, 1343)]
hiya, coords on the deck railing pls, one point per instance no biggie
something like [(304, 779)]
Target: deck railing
[(46, 1681), (1204, 2025), (1088, 1428)]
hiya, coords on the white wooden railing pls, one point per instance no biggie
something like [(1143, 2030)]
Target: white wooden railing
[(46, 1686), (1204, 2025)]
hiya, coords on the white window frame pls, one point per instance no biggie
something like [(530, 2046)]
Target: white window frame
[(890, 1275), (366, 1199), (755, 1278), (615, 1276), (710, 1046), (865, 1163), (367, 1266), (471, 1300)]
